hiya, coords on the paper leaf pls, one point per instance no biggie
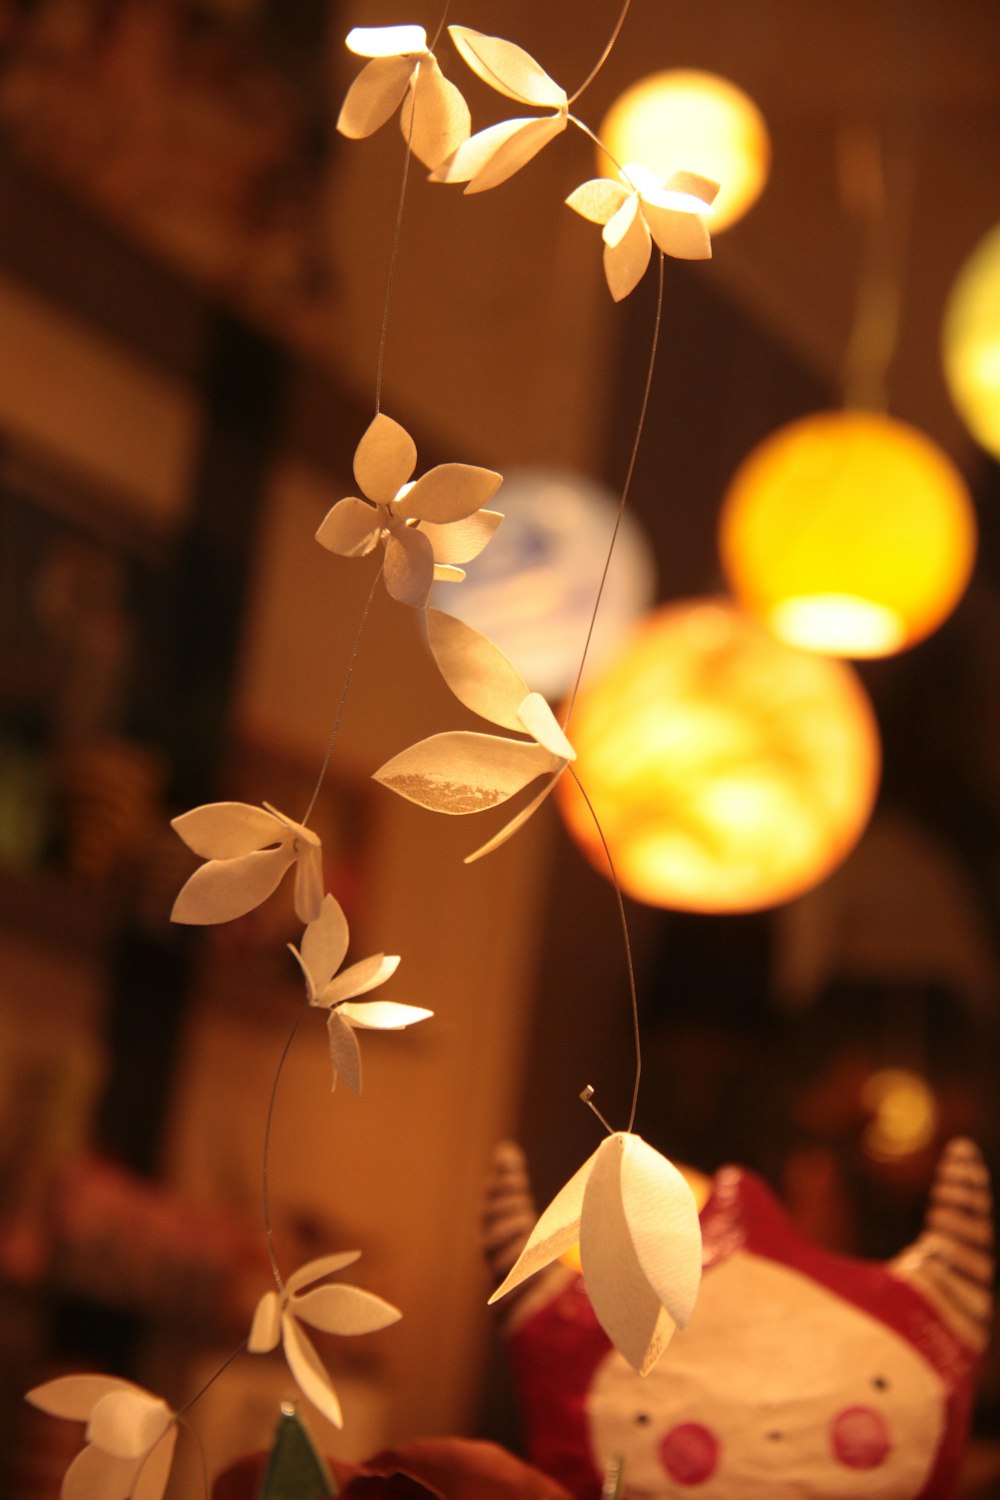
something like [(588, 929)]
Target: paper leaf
[(621, 221), (537, 719), (75, 1396), (345, 1054), (445, 573), (95, 1475), (386, 41), (461, 541), (351, 528), (155, 1470), (509, 829), (409, 566), (556, 1231), (265, 1330), (448, 493), (361, 977), (473, 154), (507, 68), (324, 944), (374, 96), (461, 772), (662, 1219), (694, 185), (383, 1015), (309, 1372), (309, 882), (599, 199), (324, 1265), (685, 236), (346, 1310), (517, 151), (625, 263), (476, 670), (384, 459), (227, 888), (435, 118), (126, 1424), (225, 830)]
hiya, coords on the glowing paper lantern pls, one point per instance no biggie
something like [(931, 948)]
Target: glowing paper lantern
[(849, 533), (728, 771), (904, 1114), (532, 590), (687, 119), (971, 342)]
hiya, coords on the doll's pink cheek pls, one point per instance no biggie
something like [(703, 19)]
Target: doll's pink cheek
[(690, 1453), (859, 1438)]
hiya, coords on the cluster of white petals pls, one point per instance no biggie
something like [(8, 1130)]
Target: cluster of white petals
[(639, 211), (248, 850), (130, 1436), (403, 71)]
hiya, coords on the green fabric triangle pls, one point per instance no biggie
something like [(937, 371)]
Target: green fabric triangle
[(295, 1471)]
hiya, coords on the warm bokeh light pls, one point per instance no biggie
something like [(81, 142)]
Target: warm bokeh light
[(729, 772), (971, 342), (697, 121), (904, 1114), (532, 590), (849, 533)]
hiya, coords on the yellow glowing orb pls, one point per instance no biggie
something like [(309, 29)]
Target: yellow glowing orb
[(971, 342), (728, 771), (904, 1114), (849, 533), (696, 121)]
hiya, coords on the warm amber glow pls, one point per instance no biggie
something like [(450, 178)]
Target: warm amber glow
[(696, 121), (904, 1114), (849, 532), (728, 771), (971, 342)]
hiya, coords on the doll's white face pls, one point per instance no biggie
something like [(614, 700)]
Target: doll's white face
[(779, 1390)]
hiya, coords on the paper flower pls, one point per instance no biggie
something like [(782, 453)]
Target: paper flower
[(491, 156), (434, 118), (427, 527), (131, 1436), (636, 1222), (248, 850), (641, 210), (464, 772), (345, 1310), (323, 948)]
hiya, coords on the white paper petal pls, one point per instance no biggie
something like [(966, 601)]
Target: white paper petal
[(445, 573), (351, 529), (324, 1265), (477, 671), (345, 1054), (685, 236), (227, 888), (225, 830), (625, 263), (309, 882), (384, 459), (621, 221), (309, 1372), (94, 1475), (409, 566), (324, 944), (599, 199), (473, 154), (509, 829), (155, 1470), (361, 977), (693, 184), (461, 541), (386, 41), (537, 719), (265, 1330), (556, 1231), (449, 492), (346, 1310), (374, 96), (75, 1396), (517, 151), (507, 68), (383, 1015), (662, 1218), (461, 772), (435, 118), (126, 1424)]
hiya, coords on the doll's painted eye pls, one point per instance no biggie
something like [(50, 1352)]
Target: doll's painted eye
[(643, 1418)]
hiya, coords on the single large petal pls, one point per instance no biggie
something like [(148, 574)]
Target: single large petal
[(473, 154), (374, 96), (75, 1396), (662, 1218), (345, 1054), (692, 185), (383, 1015), (225, 830), (227, 888), (361, 977), (155, 1469), (536, 717), (461, 772), (599, 199), (621, 221), (461, 541), (384, 459), (556, 1231), (449, 492), (309, 1371), (94, 1475), (265, 1330), (517, 151), (126, 1424), (477, 671), (346, 1310), (682, 234), (386, 41), (507, 68), (435, 118), (625, 263), (409, 566), (323, 1265), (514, 826), (324, 944), (308, 880), (351, 528)]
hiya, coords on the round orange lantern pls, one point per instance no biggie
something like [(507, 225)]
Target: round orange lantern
[(849, 532), (971, 342), (728, 771)]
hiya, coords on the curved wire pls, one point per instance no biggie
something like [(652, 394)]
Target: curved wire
[(604, 55), (266, 1186)]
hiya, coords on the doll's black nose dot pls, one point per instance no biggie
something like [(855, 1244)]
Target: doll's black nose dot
[(643, 1418), (880, 1383), (775, 1436)]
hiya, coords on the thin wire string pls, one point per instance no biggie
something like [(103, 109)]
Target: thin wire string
[(394, 256), (182, 1411), (604, 55), (266, 1171)]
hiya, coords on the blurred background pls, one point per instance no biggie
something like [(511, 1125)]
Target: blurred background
[(192, 272)]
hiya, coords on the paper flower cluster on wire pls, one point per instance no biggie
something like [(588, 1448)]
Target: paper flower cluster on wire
[(247, 852), (308, 1297), (130, 1436), (464, 772), (403, 71), (324, 946), (641, 211), (636, 1222)]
